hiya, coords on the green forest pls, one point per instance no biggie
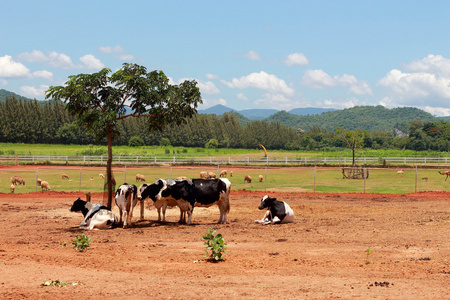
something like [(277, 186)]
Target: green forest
[(48, 122)]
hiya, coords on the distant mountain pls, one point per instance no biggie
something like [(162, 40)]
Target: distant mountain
[(218, 109), (369, 118), (257, 114), (261, 113), (7, 94)]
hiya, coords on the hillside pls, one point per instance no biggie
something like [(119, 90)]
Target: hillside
[(369, 118), (7, 94)]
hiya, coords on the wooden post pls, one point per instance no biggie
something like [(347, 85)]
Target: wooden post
[(88, 196)]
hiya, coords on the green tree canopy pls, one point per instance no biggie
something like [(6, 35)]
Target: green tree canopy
[(100, 100)]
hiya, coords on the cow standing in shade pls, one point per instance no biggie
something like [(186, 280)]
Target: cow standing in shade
[(96, 215), (202, 193), (278, 212), (126, 200)]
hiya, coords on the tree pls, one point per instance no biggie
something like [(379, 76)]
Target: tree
[(100, 100), (353, 138)]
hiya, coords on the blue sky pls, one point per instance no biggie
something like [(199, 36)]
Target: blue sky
[(243, 54)]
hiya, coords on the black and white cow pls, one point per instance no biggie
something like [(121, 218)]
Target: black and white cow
[(96, 215), (153, 190), (200, 192), (277, 211), (126, 200)]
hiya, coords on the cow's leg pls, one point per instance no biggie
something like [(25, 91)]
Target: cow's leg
[(164, 211), (120, 215), (265, 219), (125, 218)]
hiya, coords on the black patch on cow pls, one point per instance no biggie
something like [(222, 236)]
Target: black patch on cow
[(151, 190), (203, 191), (276, 208)]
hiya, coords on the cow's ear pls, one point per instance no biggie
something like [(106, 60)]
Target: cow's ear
[(273, 199)]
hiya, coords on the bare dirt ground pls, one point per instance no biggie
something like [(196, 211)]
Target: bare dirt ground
[(321, 255)]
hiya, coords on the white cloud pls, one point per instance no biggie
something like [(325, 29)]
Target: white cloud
[(91, 62), (242, 97), (43, 74), (34, 92), (211, 76), (60, 60), (318, 79), (109, 49), (126, 57), (207, 87), (431, 64), (262, 81), (423, 83), (34, 56), (296, 59), (437, 111), (252, 55), (417, 89), (54, 59), (12, 69)]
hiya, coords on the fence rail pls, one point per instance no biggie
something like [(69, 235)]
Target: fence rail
[(87, 160)]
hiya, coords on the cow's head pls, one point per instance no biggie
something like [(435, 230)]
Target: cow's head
[(78, 205), (153, 191), (266, 202)]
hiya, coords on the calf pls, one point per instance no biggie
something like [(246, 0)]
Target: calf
[(200, 192), (126, 200), (95, 215), (277, 211), (153, 191)]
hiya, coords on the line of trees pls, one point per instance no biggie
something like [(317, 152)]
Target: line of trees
[(48, 122)]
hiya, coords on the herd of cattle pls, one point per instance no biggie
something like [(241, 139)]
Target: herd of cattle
[(184, 193)]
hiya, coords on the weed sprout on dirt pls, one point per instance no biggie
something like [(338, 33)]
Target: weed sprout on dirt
[(81, 242), (216, 244)]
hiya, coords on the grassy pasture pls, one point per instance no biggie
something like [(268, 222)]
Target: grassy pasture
[(321, 180)]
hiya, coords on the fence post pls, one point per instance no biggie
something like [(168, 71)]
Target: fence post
[(37, 176), (125, 175), (364, 176), (314, 179), (415, 188), (265, 181), (79, 186)]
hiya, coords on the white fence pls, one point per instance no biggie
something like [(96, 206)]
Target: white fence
[(86, 160)]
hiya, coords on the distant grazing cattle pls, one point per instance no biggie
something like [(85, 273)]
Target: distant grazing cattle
[(261, 178), (277, 211), (223, 173), (140, 177), (153, 191), (126, 200), (95, 215), (65, 176), (202, 193), (45, 185), (248, 178), (17, 180)]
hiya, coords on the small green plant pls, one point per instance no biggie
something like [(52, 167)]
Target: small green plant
[(368, 252), (81, 242), (216, 244), (63, 244)]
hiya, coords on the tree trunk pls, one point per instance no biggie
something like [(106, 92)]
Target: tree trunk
[(109, 171)]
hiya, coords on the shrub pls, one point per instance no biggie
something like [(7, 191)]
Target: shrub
[(135, 141), (164, 142), (212, 143), (216, 244), (81, 242)]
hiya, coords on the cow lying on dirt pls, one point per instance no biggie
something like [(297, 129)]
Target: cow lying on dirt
[(95, 215), (277, 211)]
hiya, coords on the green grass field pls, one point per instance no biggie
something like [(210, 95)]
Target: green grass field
[(321, 180)]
